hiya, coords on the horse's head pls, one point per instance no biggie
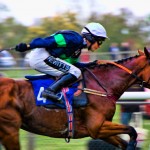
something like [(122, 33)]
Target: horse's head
[(145, 69)]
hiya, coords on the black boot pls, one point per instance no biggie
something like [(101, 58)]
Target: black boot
[(51, 91)]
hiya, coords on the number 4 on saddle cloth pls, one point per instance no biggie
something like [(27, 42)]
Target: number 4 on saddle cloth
[(41, 82)]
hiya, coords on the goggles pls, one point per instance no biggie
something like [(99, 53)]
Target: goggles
[(99, 40)]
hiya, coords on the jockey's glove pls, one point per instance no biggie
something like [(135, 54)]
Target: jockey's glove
[(22, 47)]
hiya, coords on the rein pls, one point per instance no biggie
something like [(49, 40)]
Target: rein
[(143, 83), (96, 79)]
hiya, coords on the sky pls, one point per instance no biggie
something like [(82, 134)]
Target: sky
[(27, 11)]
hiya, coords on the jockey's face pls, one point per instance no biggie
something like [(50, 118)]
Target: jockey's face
[(94, 46)]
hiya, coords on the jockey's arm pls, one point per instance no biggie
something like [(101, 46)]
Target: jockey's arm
[(83, 65), (48, 42), (68, 40), (65, 43)]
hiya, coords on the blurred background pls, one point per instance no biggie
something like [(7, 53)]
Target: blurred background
[(127, 28)]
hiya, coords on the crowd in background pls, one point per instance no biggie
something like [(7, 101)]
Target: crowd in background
[(115, 48)]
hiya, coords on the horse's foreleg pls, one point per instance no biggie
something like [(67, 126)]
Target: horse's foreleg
[(110, 129), (117, 141), (94, 124), (98, 130), (9, 129)]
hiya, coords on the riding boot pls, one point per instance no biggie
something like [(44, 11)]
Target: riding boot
[(51, 91)]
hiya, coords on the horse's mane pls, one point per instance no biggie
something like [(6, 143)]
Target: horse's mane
[(121, 61), (126, 59)]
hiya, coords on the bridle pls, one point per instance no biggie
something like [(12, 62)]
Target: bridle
[(95, 92), (142, 82)]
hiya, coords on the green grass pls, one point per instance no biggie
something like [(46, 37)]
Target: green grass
[(47, 143), (18, 73)]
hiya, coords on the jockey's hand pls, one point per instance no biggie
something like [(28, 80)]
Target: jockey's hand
[(98, 62), (101, 62), (22, 47)]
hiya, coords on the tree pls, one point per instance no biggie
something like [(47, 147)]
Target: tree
[(11, 32), (122, 27)]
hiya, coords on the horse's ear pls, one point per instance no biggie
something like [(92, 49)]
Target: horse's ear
[(147, 53), (140, 52)]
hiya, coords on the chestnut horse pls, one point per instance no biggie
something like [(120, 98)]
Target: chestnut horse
[(18, 108)]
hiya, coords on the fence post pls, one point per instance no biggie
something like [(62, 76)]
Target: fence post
[(31, 141)]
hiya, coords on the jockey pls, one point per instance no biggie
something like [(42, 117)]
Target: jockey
[(57, 55)]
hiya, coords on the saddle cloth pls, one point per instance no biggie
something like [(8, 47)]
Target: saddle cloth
[(41, 82)]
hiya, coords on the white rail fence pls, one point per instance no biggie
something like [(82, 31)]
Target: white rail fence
[(134, 96)]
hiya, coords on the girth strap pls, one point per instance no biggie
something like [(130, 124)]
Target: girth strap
[(69, 111)]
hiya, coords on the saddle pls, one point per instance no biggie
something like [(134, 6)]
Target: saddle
[(76, 97)]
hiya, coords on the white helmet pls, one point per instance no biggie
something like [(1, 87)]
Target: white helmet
[(96, 29)]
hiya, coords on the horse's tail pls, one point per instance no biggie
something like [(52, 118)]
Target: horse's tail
[(8, 93)]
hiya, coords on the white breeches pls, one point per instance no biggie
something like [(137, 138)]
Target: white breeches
[(36, 61)]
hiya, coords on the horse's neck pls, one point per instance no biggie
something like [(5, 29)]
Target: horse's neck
[(114, 79)]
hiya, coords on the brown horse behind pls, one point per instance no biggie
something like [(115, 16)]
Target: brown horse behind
[(18, 109)]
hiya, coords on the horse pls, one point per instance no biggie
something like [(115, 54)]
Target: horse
[(19, 111)]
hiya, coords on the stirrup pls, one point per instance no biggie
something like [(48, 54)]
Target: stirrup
[(52, 96)]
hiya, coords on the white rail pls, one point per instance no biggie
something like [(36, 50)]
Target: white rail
[(134, 96)]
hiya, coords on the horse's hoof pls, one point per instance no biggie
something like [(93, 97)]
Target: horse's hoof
[(132, 145)]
